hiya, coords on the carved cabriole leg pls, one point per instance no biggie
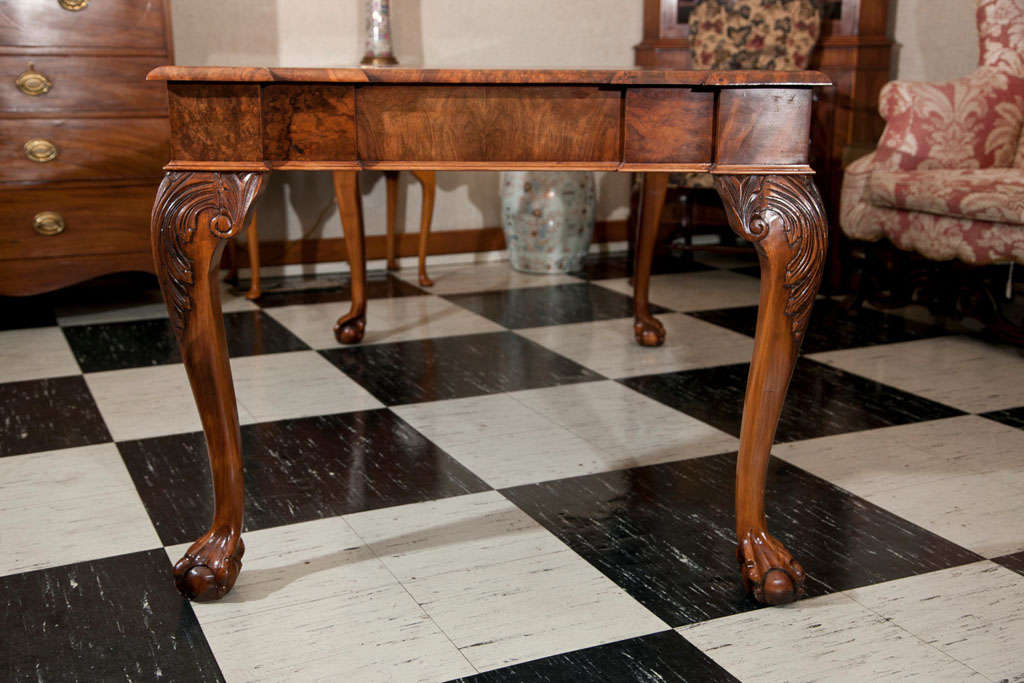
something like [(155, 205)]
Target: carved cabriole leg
[(429, 182), (252, 240), (783, 216), (194, 215), (350, 327), (648, 330)]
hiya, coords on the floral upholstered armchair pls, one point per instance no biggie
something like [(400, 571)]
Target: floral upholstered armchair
[(947, 179)]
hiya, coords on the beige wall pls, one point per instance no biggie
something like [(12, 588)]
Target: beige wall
[(437, 32), (936, 39)]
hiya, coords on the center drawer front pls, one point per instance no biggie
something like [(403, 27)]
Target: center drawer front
[(86, 148), (82, 84), (487, 123), (135, 24), (97, 220)]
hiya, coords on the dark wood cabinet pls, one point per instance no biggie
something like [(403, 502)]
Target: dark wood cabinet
[(83, 137)]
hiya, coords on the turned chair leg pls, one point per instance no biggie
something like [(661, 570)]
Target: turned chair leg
[(648, 330), (194, 216), (252, 241), (351, 327), (783, 217), (429, 182), (391, 182)]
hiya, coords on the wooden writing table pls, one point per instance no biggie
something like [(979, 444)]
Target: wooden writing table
[(231, 126)]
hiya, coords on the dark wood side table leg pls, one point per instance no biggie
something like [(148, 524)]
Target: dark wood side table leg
[(351, 327), (783, 216), (429, 182), (194, 216), (391, 183), (648, 330)]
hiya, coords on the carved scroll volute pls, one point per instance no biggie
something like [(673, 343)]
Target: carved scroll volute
[(189, 202), (782, 212)]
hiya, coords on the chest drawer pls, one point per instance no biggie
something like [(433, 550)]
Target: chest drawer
[(76, 84), (135, 24), (88, 220), (82, 149)]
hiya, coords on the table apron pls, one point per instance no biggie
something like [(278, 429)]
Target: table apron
[(332, 126)]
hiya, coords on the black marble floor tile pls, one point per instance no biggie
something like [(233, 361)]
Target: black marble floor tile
[(48, 414), (19, 312), (832, 327), (664, 657), (619, 265), (115, 619), (379, 285), (665, 533), (554, 305), (139, 343), (455, 367), (1013, 417), (752, 270), (296, 471), (1014, 562), (821, 401)]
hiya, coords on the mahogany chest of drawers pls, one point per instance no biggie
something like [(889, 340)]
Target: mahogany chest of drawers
[(83, 137)]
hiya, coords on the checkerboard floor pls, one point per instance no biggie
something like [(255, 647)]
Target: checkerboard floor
[(499, 485)]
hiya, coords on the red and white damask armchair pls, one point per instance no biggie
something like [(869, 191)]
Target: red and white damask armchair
[(947, 179)]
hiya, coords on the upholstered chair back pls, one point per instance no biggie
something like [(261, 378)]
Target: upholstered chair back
[(1001, 34), (754, 34)]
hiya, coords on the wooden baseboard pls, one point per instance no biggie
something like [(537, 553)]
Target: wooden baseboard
[(281, 253)]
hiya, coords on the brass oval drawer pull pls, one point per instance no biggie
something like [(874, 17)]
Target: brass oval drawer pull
[(40, 150), (48, 223), (31, 82), (73, 5)]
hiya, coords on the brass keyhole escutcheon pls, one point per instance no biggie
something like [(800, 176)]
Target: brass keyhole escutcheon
[(48, 223), (31, 82), (40, 150), (73, 5)]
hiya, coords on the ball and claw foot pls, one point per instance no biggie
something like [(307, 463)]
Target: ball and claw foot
[(649, 332), (425, 281), (768, 570), (209, 568), (350, 330)]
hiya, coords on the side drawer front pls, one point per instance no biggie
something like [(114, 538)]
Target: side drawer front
[(669, 126), (134, 24), (85, 148), (97, 220), (82, 84), (487, 123)]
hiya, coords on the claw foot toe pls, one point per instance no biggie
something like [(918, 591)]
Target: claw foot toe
[(649, 332), (350, 331), (769, 570), (209, 569)]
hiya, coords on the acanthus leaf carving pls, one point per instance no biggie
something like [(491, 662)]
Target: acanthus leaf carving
[(186, 202), (759, 206)]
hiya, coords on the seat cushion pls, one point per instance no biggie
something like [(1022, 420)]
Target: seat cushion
[(992, 194)]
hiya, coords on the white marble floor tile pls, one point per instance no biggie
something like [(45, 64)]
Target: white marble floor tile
[(482, 278), (830, 638), (70, 505), (148, 306), (627, 426), (973, 613), (387, 320), (314, 603), (962, 478), (502, 441), (278, 386), (608, 346), (35, 353), (138, 403), (500, 603), (701, 291), (962, 372)]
